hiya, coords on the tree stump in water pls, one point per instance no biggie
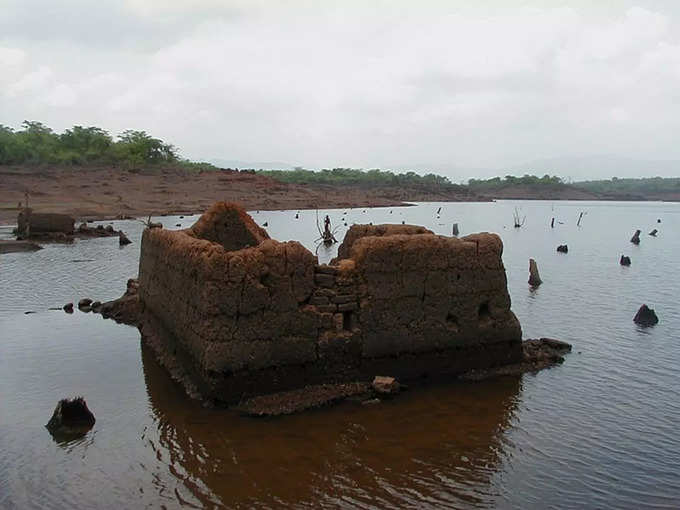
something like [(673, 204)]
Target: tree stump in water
[(70, 419), (123, 239), (625, 261), (645, 316), (636, 237), (563, 248), (653, 233), (534, 278)]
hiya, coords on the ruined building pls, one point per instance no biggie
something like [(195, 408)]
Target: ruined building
[(242, 314)]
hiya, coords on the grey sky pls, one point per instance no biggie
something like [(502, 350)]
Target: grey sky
[(364, 84)]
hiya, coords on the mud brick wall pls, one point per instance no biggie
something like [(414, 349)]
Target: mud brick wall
[(32, 222), (249, 314)]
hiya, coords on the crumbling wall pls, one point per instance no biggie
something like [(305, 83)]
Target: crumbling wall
[(230, 226), (267, 317), (356, 232), (31, 223)]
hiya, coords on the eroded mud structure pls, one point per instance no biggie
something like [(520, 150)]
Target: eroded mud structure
[(241, 314)]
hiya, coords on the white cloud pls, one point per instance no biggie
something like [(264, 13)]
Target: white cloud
[(11, 57), (322, 84)]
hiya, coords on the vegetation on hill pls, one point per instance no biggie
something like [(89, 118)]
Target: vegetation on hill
[(365, 178), (36, 144), (617, 186), (496, 183)]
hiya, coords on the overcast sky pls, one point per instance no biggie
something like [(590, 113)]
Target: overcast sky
[(363, 84)]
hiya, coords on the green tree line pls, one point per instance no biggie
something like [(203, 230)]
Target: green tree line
[(510, 180), (36, 144), (367, 178), (617, 185)]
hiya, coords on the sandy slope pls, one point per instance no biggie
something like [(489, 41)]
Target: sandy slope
[(109, 192)]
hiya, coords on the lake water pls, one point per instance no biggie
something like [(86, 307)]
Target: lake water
[(599, 431)]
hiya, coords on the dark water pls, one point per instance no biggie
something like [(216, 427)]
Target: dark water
[(600, 431)]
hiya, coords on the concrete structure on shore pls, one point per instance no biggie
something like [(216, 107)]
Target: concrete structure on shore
[(240, 314)]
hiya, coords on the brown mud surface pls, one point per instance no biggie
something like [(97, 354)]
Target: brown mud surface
[(105, 192)]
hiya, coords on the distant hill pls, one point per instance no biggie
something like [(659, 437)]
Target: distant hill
[(580, 168)]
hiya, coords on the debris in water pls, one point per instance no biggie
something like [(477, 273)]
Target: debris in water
[(645, 316), (385, 385), (518, 220)]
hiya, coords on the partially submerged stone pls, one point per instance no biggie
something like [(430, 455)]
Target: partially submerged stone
[(385, 385), (624, 261), (84, 303), (126, 309), (534, 277), (123, 239), (563, 248), (71, 419), (537, 354), (653, 233), (636, 237), (645, 316)]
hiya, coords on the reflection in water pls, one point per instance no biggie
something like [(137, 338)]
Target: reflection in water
[(380, 456), (599, 431)]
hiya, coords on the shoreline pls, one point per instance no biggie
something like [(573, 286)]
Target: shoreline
[(107, 193), (111, 193)]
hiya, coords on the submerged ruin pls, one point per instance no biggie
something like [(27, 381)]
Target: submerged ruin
[(234, 314)]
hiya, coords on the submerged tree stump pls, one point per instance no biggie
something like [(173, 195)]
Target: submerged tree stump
[(636, 237), (123, 239), (71, 419), (563, 248), (645, 316), (534, 277), (625, 261)]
